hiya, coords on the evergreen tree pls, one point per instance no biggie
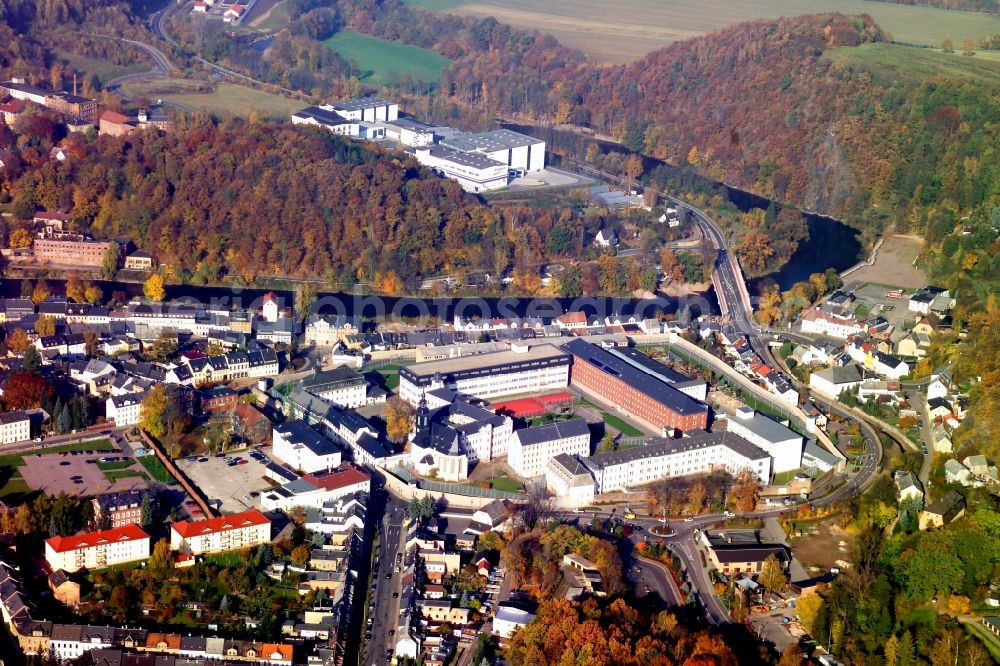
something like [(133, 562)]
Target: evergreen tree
[(146, 516), (224, 603), (684, 316), (76, 419), (64, 420), (32, 361), (53, 527)]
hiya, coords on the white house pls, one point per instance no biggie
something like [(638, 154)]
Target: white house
[(530, 449), (907, 486), (315, 490), (956, 472), (96, 550), (14, 427), (217, 535), (303, 448), (124, 409), (606, 238), (343, 386), (509, 617), (569, 481), (820, 323), (834, 381), (781, 442)]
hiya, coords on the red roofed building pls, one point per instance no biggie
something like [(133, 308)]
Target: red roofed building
[(11, 110), (346, 480), (217, 535), (572, 320), (96, 550), (115, 124), (278, 654), (232, 13)]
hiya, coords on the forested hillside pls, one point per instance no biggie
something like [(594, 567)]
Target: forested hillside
[(760, 105), (962, 5)]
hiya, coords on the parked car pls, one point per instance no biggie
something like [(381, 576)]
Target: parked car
[(64, 462)]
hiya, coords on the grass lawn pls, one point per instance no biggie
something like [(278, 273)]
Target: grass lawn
[(95, 445), (620, 425), (783, 478), (381, 61), (125, 474), (223, 99), (156, 469), (15, 491), (11, 460), (506, 483), (104, 70), (391, 374), (888, 62), (112, 466), (637, 27)]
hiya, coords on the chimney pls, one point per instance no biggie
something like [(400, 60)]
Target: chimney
[(74, 83)]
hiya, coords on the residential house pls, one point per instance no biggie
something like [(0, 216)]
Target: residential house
[(215, 535), (95, 550), (944, 510)]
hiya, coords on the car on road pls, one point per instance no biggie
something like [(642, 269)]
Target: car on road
[(388, 576), (689, 519), (242, 462), (925, 451), (728, 514), (78, 481), (201, 460)]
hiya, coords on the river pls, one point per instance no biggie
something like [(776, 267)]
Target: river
[(831, 243), (380, 308)]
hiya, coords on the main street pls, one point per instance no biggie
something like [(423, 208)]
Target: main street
[(383, 607)]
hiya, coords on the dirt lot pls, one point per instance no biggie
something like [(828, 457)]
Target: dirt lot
[(228, 488), (894, 265), (53, 474), (821, 545)]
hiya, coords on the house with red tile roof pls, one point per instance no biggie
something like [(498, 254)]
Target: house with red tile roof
[(96, 550), (216, 535)]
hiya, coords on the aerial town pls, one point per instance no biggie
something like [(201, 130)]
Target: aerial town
[(499, 334)]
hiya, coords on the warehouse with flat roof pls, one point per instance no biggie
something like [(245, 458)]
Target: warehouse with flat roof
[(522, 369)]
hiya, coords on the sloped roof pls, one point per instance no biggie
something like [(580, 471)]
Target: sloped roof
[(249, 518), (92, 539)]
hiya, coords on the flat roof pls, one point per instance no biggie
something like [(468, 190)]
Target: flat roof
[(661, 447), (299, 432), (411, 124), (544, 355), (658, 390), (501, 139), (766, 428), (322, 116), (472, 160), (359, 103), (340, 376)]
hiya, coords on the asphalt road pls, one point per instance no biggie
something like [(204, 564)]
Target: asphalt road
[(386, 608)]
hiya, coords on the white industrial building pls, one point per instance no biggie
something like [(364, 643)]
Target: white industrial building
[(521, 153), (368, 109), (783, 444), (530, 449), (569, 481), (302, 448), (409, 132), (522, 369), (694, 454), (475, 173), (328, 119)]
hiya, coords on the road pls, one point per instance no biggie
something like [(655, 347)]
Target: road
[(385, 611)]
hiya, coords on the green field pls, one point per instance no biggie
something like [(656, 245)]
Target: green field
[(390, 373), (112, 466), (620, 425), (125, 474), (156, 469), (221, 99), (104, 70), (381, 61), (636, 27), (889, 62), (506, 483), (274, 20)]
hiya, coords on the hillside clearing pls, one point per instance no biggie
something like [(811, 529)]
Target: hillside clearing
[(381, 61), (217, 98), (888, 62), (636, 27)]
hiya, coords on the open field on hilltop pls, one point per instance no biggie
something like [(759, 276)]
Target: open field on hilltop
[(104, 70), (218, 98), (635, 27), (274, 19), (382, 61), (888, 62)]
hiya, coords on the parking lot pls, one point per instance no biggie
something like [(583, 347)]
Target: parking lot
[(228, 488), (54, 473), (895, 310)]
